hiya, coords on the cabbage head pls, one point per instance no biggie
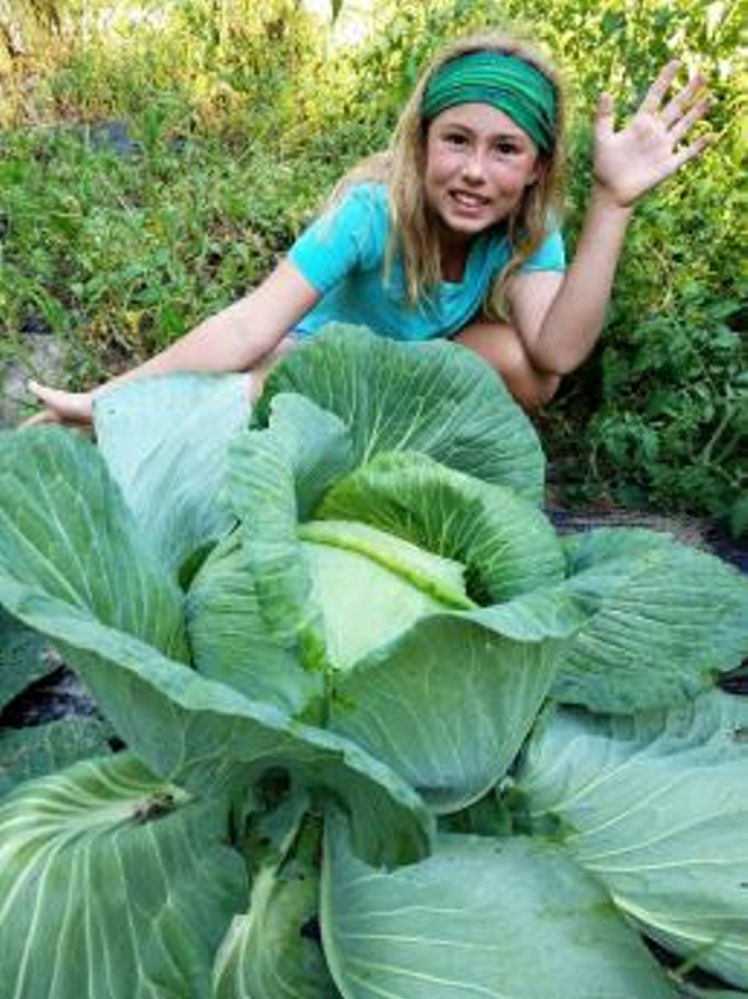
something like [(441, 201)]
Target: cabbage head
[(380, 731)]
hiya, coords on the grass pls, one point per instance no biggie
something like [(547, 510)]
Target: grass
[(115, 254)]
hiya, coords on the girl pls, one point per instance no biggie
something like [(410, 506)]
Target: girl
[(453, 232)]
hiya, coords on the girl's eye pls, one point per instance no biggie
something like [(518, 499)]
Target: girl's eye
[(455, 139), (506, 148)]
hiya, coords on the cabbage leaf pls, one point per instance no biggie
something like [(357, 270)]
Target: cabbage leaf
[(501, 918), (436, 398), (655, 806), (671, 619), (113, 885)]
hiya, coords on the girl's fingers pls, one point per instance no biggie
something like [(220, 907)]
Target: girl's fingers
[(59, 406), (47, 416), (689, 152), (656, 93), (675, 108), (697, 112), (42, 392)]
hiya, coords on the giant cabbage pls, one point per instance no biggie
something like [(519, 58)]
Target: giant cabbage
[(385, 729)]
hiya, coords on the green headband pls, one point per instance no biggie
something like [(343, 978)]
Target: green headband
[(504, 81)]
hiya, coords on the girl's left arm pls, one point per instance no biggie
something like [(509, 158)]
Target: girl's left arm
[(559, 318)]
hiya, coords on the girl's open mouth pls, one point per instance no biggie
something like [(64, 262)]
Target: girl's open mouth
[(465, 199)]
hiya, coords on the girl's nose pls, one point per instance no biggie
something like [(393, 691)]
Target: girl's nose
[(473, 167)]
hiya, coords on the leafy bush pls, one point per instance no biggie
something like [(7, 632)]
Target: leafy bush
[(117, 255), (365, 690)]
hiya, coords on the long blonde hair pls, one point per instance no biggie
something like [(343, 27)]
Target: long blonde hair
[(402, 168)]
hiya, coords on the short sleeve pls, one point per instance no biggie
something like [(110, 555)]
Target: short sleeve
[(347, 236), (549, 256)]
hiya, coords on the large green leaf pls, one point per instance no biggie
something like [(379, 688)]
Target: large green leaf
[(23, 658), (507, 545), (495, 918), (656, 806), (671, 617), (315, 444), (66, 532), (43, 749), (447, 706), (437, 398), (165, 441), (231, 639), (113, 885), (275, 474)]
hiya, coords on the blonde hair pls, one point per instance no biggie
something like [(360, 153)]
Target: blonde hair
[(413, 234)]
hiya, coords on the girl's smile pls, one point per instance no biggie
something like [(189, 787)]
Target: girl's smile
[(478, 164)]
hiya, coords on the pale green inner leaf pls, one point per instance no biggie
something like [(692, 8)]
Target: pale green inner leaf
[(443, 578), (373, 586)]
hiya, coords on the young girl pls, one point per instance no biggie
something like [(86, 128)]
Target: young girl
[(453, 232)]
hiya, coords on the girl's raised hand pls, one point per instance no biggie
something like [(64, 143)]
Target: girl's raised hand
[(650, 147), (74, 409)]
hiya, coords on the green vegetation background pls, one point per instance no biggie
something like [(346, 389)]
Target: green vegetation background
[(157, 158)]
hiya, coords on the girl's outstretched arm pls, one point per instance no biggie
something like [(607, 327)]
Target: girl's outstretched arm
[(560, 322), (235, 339)]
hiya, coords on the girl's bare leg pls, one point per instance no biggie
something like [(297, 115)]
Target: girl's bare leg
[(499, 345)]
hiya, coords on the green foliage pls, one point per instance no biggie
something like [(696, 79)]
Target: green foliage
[(673, 386), (117, 255)]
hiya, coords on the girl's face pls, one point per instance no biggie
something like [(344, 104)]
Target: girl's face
[(478, 164)]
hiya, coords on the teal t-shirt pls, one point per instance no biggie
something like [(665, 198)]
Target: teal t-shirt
[(341, 255)]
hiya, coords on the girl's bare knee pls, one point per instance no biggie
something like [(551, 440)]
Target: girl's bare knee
[(535, 390)]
